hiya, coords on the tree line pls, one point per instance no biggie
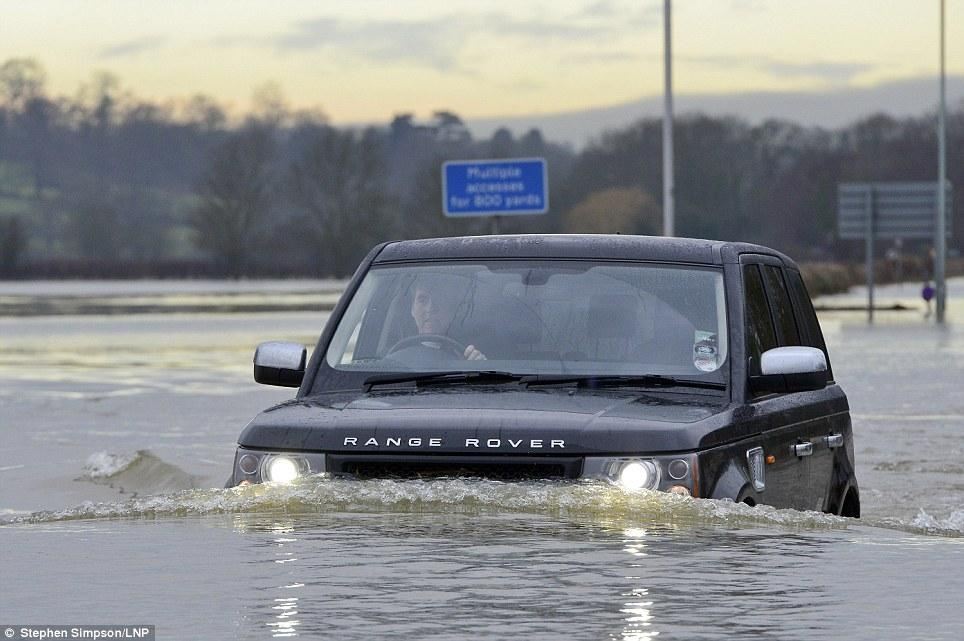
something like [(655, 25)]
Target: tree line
[(105, 183)]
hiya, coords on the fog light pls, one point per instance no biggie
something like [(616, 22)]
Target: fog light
[(681, 490), (248, 463), (637, 475), (678, 469), (281, 469)]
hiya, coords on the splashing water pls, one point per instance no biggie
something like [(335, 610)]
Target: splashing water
[(102, 465), (586, 499), (139, 473)]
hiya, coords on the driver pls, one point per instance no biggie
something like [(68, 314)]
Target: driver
[(433, 308)]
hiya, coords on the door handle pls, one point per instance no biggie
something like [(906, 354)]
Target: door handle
[(833, 440), (802, 449)]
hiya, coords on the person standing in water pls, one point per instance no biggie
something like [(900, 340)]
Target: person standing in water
[(927, 293)]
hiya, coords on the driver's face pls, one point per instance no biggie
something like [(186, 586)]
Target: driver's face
[(433, 311)]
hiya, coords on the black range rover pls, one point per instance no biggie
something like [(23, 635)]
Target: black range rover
[(689, 366)]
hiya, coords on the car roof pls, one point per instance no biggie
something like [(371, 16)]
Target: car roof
[(567, 246)]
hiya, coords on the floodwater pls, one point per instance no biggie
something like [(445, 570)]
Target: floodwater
[(117, 428)]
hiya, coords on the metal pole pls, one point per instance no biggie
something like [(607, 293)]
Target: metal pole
[(871, 210), (940, 240), (669, 228)]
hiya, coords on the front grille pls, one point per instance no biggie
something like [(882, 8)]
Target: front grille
[(498, 468)]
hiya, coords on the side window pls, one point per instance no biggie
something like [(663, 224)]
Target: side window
[(780, 305), (759, 327), (809, 325)]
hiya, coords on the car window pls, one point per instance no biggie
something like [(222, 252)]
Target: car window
[(780, 306), (760, 335), (810, 332), (536, 317)]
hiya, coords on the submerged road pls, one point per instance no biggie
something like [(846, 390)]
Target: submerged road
[(130, 410)]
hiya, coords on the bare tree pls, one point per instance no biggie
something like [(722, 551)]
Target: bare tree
[(21, 80), (338, 188), (235, 197)]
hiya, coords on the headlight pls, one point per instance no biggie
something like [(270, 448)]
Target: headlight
[(256, 466), (636, 475), (281, 469), (673, 473)]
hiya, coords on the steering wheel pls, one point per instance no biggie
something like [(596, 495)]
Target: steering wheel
[(445, 342)]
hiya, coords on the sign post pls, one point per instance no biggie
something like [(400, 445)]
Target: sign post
[(510, 187), (870, 211)]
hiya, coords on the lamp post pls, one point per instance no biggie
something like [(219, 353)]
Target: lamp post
[(940, 240), (668, 214)]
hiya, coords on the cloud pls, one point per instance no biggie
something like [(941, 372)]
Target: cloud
[(132, 47), (840, 72), (436, 43), (600, 57), (599, 9), (623, 15), (831, 72)]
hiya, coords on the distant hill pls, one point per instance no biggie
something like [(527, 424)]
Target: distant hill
[(829, 109)]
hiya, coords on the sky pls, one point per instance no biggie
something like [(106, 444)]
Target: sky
[(367, 60)]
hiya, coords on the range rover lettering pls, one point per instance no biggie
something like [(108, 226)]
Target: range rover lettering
[(688, 366)]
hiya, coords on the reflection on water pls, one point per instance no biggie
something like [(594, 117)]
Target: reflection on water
[(493, 576), (285, 625), (639, 619)]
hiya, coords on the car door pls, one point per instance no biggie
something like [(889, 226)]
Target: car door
[(836, 428), (812, 411), (787, 476)]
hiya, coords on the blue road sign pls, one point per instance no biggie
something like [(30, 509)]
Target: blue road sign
[(495, 187)]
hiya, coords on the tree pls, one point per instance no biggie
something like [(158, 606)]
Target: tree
[(21, 80), (235, 196), (450, 129), (615, 210), (502, 144), (338, 187), (269, 105), (532, 143), (204, 113)]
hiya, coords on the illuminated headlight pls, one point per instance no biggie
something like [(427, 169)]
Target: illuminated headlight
[(254, 466), (676, 473), (281, 469), (636, 474)]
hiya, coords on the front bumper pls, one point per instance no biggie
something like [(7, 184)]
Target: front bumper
[(675, 472)]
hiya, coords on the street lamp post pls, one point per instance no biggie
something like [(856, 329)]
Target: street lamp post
[(668, 214), (940, 240)]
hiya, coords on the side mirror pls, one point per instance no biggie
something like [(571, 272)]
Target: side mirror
[(278, 363), (791, 369)]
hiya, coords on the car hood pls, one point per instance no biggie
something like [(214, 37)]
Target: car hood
[(490, 421)]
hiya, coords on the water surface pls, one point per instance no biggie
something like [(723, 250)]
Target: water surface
[(117, 431)]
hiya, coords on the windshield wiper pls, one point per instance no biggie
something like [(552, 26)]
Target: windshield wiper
[(646, 380), (442, 378)]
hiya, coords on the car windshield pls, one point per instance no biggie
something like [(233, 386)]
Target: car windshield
[(580, 318)]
